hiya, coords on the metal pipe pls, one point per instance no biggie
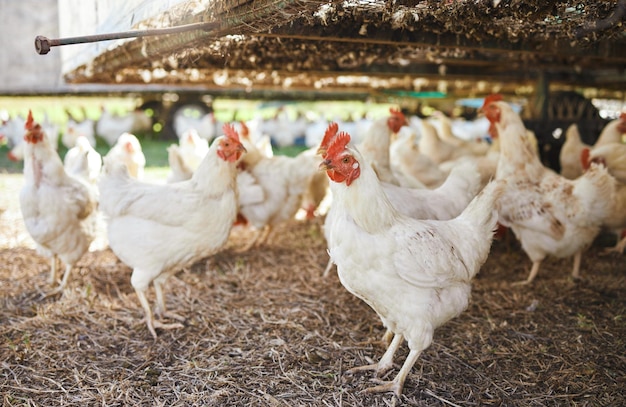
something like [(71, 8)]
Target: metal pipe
[(43, 44)]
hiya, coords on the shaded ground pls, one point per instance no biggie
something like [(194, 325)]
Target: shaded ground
[(265, 329)]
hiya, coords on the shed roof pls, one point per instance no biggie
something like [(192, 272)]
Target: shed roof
[(459, 48)]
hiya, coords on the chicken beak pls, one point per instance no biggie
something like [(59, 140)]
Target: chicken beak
[(325, 165)]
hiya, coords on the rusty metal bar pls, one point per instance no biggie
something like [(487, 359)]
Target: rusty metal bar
[(43, 44)]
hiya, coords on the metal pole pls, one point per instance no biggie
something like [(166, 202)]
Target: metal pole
[(43, 44)]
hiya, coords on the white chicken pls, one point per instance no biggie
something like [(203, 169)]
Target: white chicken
[(179, 170), (376, 142), (569, 156), (613, 132), (432, 146), (284, 181), (443, 203), (464, 146), (416, 274), (549, 214), (192, 148), (612, 155), (83, 161), (128, 150), (13, 131), (74, 129), (412, 168), (159, 229), (59, 210), (615, 222)]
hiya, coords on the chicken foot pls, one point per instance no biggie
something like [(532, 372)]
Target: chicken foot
[(618, 248), (258, 239), (533, 273), (161, 311), (397, 384), (386, 361), (150, 321), (576, 270), (61, 287), (535, 269)]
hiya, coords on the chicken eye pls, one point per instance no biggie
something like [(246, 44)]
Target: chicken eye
[(345, 160)]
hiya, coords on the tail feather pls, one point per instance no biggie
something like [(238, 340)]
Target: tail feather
[(482, 214), (482, 210)]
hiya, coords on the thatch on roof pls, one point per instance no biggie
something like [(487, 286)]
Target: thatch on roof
[(372, 46)]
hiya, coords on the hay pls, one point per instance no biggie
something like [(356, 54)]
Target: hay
[(264, 328)]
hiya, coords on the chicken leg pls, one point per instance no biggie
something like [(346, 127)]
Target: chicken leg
[(329, 266), (618, 248), (533, 273), (161, 310), (576, 271), (260, 236), (397, 384), (61, 287), (386, 361), (150, 322), (53, 270)]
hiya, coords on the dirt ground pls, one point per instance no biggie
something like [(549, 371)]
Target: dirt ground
[(263, 328)]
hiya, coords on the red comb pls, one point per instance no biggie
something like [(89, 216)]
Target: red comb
[(496, 97), (584, 158), (230, 132), (396, 112), (338, 144), (332, 129), (30, 122)]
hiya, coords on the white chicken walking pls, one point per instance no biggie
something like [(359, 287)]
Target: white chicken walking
[(549, 214), (416, 274), (59, 210), (159, 229)]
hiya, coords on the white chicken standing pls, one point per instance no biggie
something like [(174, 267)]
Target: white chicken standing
[(284, 181), (615, 222), (416, 274), (74, 161), (179, 170), (442, 203), (376, 142), (159, 229), (59, 210), (549, 214), (613, 132), (128, 150), (569, 156), (74, 129), (192, 148), (412, 168)]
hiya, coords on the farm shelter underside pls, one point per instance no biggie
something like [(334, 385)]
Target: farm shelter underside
[(375, 48)]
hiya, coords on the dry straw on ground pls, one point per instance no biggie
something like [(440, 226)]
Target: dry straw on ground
[(264, 328)]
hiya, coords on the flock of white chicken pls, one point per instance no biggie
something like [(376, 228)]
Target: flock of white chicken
[(413, 207)]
